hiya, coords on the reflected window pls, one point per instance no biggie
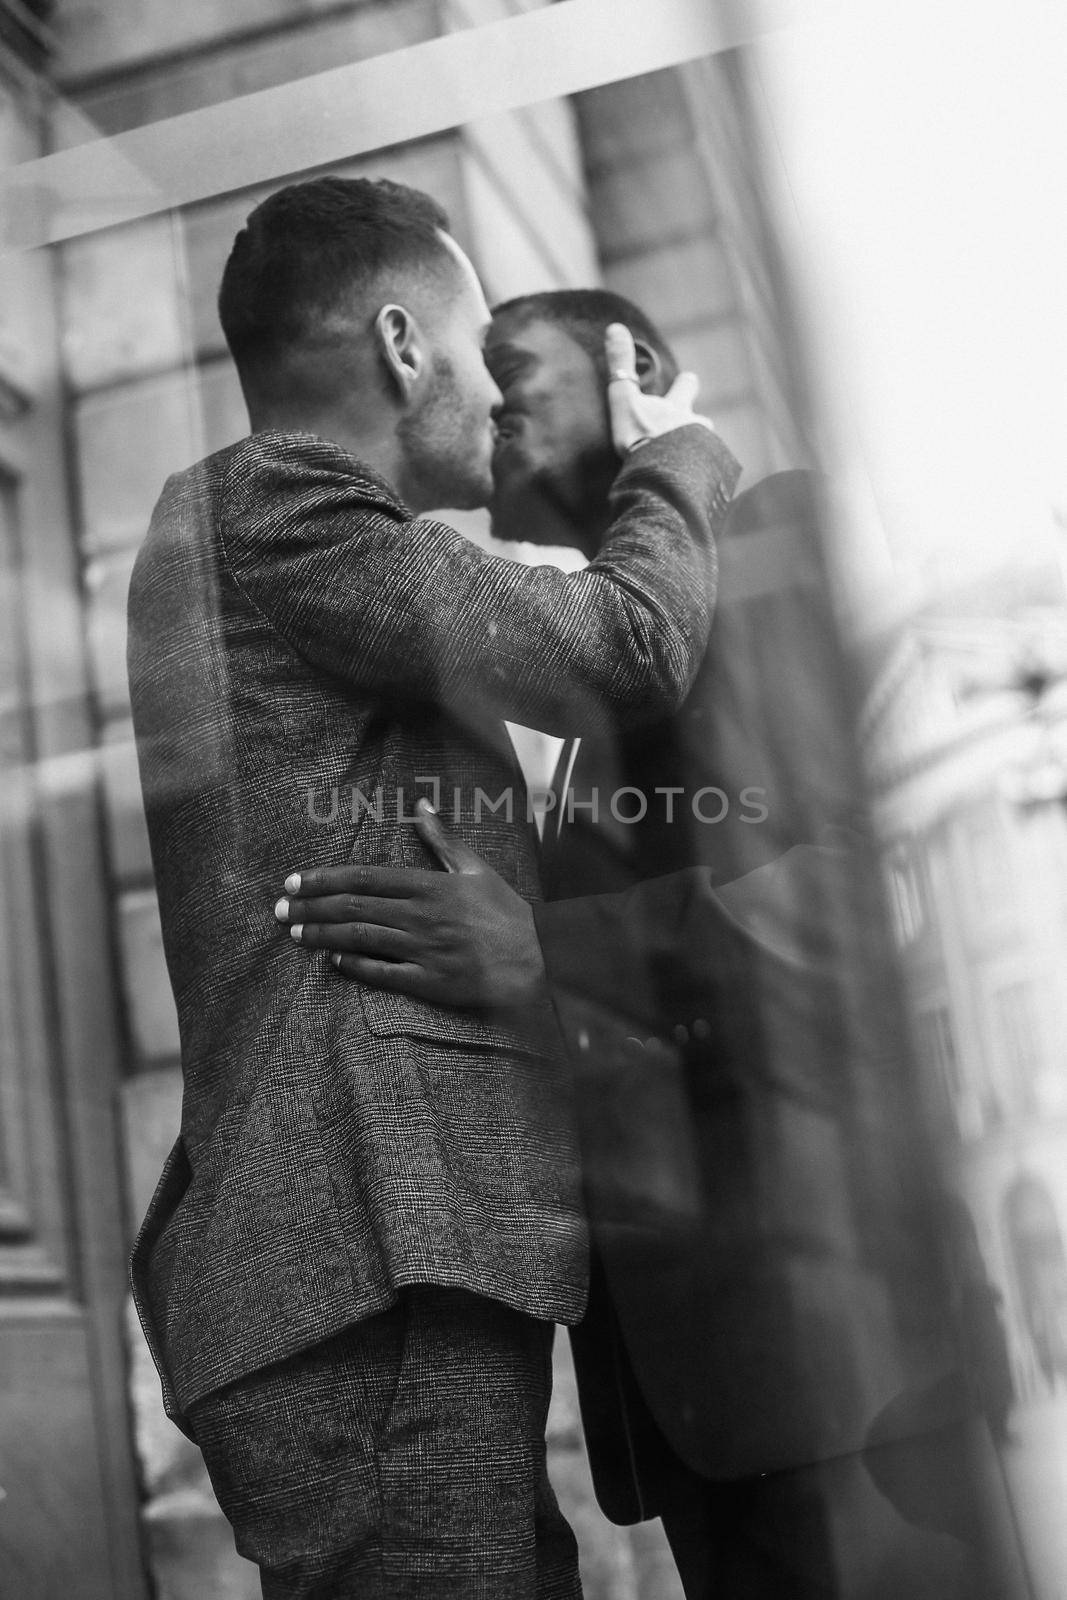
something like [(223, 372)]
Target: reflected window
[(958, 1095), (1035, 1244), (988, 861), (31, 1237), (12, 757), (1016, 1044), (908, 900)]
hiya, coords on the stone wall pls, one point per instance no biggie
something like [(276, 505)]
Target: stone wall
[(675, 191)]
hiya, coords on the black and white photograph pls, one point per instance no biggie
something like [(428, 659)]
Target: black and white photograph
[(533, 820)]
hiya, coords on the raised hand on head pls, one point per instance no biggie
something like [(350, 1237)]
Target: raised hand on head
[(637, 417)]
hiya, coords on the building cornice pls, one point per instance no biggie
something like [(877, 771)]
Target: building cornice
[(160, 62)]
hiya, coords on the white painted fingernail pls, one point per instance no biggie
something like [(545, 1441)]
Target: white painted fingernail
[(292, 883), (281, 910), (296, 930)]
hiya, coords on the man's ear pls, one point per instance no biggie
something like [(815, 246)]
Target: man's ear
[(649, 368), (401, 344)]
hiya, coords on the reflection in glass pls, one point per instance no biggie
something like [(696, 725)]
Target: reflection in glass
[(879, 1076)]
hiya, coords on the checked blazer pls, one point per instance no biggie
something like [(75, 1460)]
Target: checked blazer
[(305, 657)]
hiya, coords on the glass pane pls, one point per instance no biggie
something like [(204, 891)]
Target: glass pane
[(787, 1101)]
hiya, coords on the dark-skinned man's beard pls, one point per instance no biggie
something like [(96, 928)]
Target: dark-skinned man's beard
[(446, 446), (541, 507)]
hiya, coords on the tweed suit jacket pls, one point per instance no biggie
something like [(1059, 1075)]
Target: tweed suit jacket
[(305, 657)]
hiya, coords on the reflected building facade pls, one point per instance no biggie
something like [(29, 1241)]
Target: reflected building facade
[(966, 733)]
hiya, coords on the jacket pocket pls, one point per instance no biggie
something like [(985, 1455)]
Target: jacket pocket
[(529, 1031)]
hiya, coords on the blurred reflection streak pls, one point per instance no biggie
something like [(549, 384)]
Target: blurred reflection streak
[(349, 110)]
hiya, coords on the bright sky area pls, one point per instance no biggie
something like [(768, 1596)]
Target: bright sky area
[(924, 197)]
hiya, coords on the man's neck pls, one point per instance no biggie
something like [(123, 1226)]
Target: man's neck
[(376, 447)]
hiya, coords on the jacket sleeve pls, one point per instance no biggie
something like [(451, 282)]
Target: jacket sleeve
[(387, 602), (674, 950), (661, 956)]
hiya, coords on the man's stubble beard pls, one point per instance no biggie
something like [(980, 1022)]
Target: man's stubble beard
[(440, 460)]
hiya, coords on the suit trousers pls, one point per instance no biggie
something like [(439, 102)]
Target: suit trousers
[(401, 1460)]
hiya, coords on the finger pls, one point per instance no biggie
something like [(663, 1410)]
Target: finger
[(358, 938), (435, 836), (624, 425), (621, 354), (353, 877), (452, 853), (400, 977), (337, 908), (684, 390), (347, 966)]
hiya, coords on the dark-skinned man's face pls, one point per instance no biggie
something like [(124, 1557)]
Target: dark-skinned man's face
[(553, 463)]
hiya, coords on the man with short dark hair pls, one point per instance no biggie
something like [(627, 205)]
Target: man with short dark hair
[(350, 1270), (287, 311)]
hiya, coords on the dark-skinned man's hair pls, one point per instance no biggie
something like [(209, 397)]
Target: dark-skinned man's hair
[(585, 315), (314, 250)]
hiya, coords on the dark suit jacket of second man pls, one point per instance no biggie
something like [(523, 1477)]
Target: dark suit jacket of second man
[(750, 1153)]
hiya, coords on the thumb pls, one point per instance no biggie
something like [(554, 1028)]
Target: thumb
[(620, 353), (452, 853)]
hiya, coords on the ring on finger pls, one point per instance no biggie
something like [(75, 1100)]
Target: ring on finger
[(624, 377)]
